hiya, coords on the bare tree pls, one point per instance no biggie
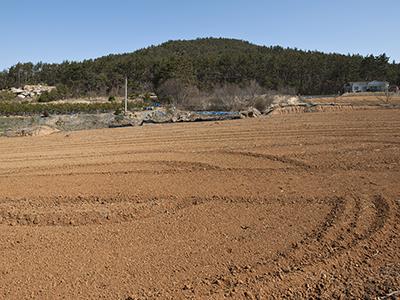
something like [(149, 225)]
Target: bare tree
[(387, 97), (228, 96), (253, 89), (146, 86), (177, 92), (236, 97)]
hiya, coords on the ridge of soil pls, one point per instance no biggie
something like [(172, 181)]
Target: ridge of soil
[(295, 206)]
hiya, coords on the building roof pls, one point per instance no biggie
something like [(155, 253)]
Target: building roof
[(376, 82)]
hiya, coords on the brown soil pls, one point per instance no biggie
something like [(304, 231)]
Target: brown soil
[(319, 108), (294, 206), (361, 99)]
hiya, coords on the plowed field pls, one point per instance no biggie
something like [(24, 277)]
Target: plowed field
[(296, 206)]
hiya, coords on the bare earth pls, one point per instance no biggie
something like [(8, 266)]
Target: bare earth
[(297, 206)]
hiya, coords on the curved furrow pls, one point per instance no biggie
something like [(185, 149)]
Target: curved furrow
[(345, 228)]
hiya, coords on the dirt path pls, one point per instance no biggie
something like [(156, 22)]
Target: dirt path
[(296, 206)]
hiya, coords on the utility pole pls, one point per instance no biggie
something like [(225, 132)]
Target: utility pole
[(126, 94)]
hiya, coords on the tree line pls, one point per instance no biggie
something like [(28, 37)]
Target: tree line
[(205, 64)]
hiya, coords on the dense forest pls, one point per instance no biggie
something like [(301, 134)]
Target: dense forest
[(204, 64)]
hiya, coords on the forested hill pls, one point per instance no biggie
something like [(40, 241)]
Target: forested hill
[(206, 63)]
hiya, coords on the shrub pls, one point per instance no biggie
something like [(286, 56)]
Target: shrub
[(263, 102), (147, 96), (6, 96), (62, 91), (48, 96), (118, 111), (26, 108), (111, 99), (133, 96), (59, 93)]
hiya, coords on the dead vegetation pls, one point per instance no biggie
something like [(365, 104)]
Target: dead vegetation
[(227, 97), (387, 97)]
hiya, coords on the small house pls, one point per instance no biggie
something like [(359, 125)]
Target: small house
[(378, 86), (361, 86), (356, 87)]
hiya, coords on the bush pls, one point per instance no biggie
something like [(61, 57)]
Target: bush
[(45, 97), (6, 96), (111, 99), (259, 104), (147, 96), (133, 96), (59, 93), (63, 91), (263, 102), (118, 111), (49, 96)]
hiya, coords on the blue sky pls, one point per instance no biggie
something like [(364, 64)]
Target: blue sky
[(56, 30)]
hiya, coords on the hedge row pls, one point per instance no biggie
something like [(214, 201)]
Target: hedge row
[(26, 108)]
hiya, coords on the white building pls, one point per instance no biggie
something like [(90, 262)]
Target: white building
[(363, 86)]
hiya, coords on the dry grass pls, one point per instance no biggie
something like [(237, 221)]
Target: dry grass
[(360, 99)]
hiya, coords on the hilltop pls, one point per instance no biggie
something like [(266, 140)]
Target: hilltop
[(204, 64)]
